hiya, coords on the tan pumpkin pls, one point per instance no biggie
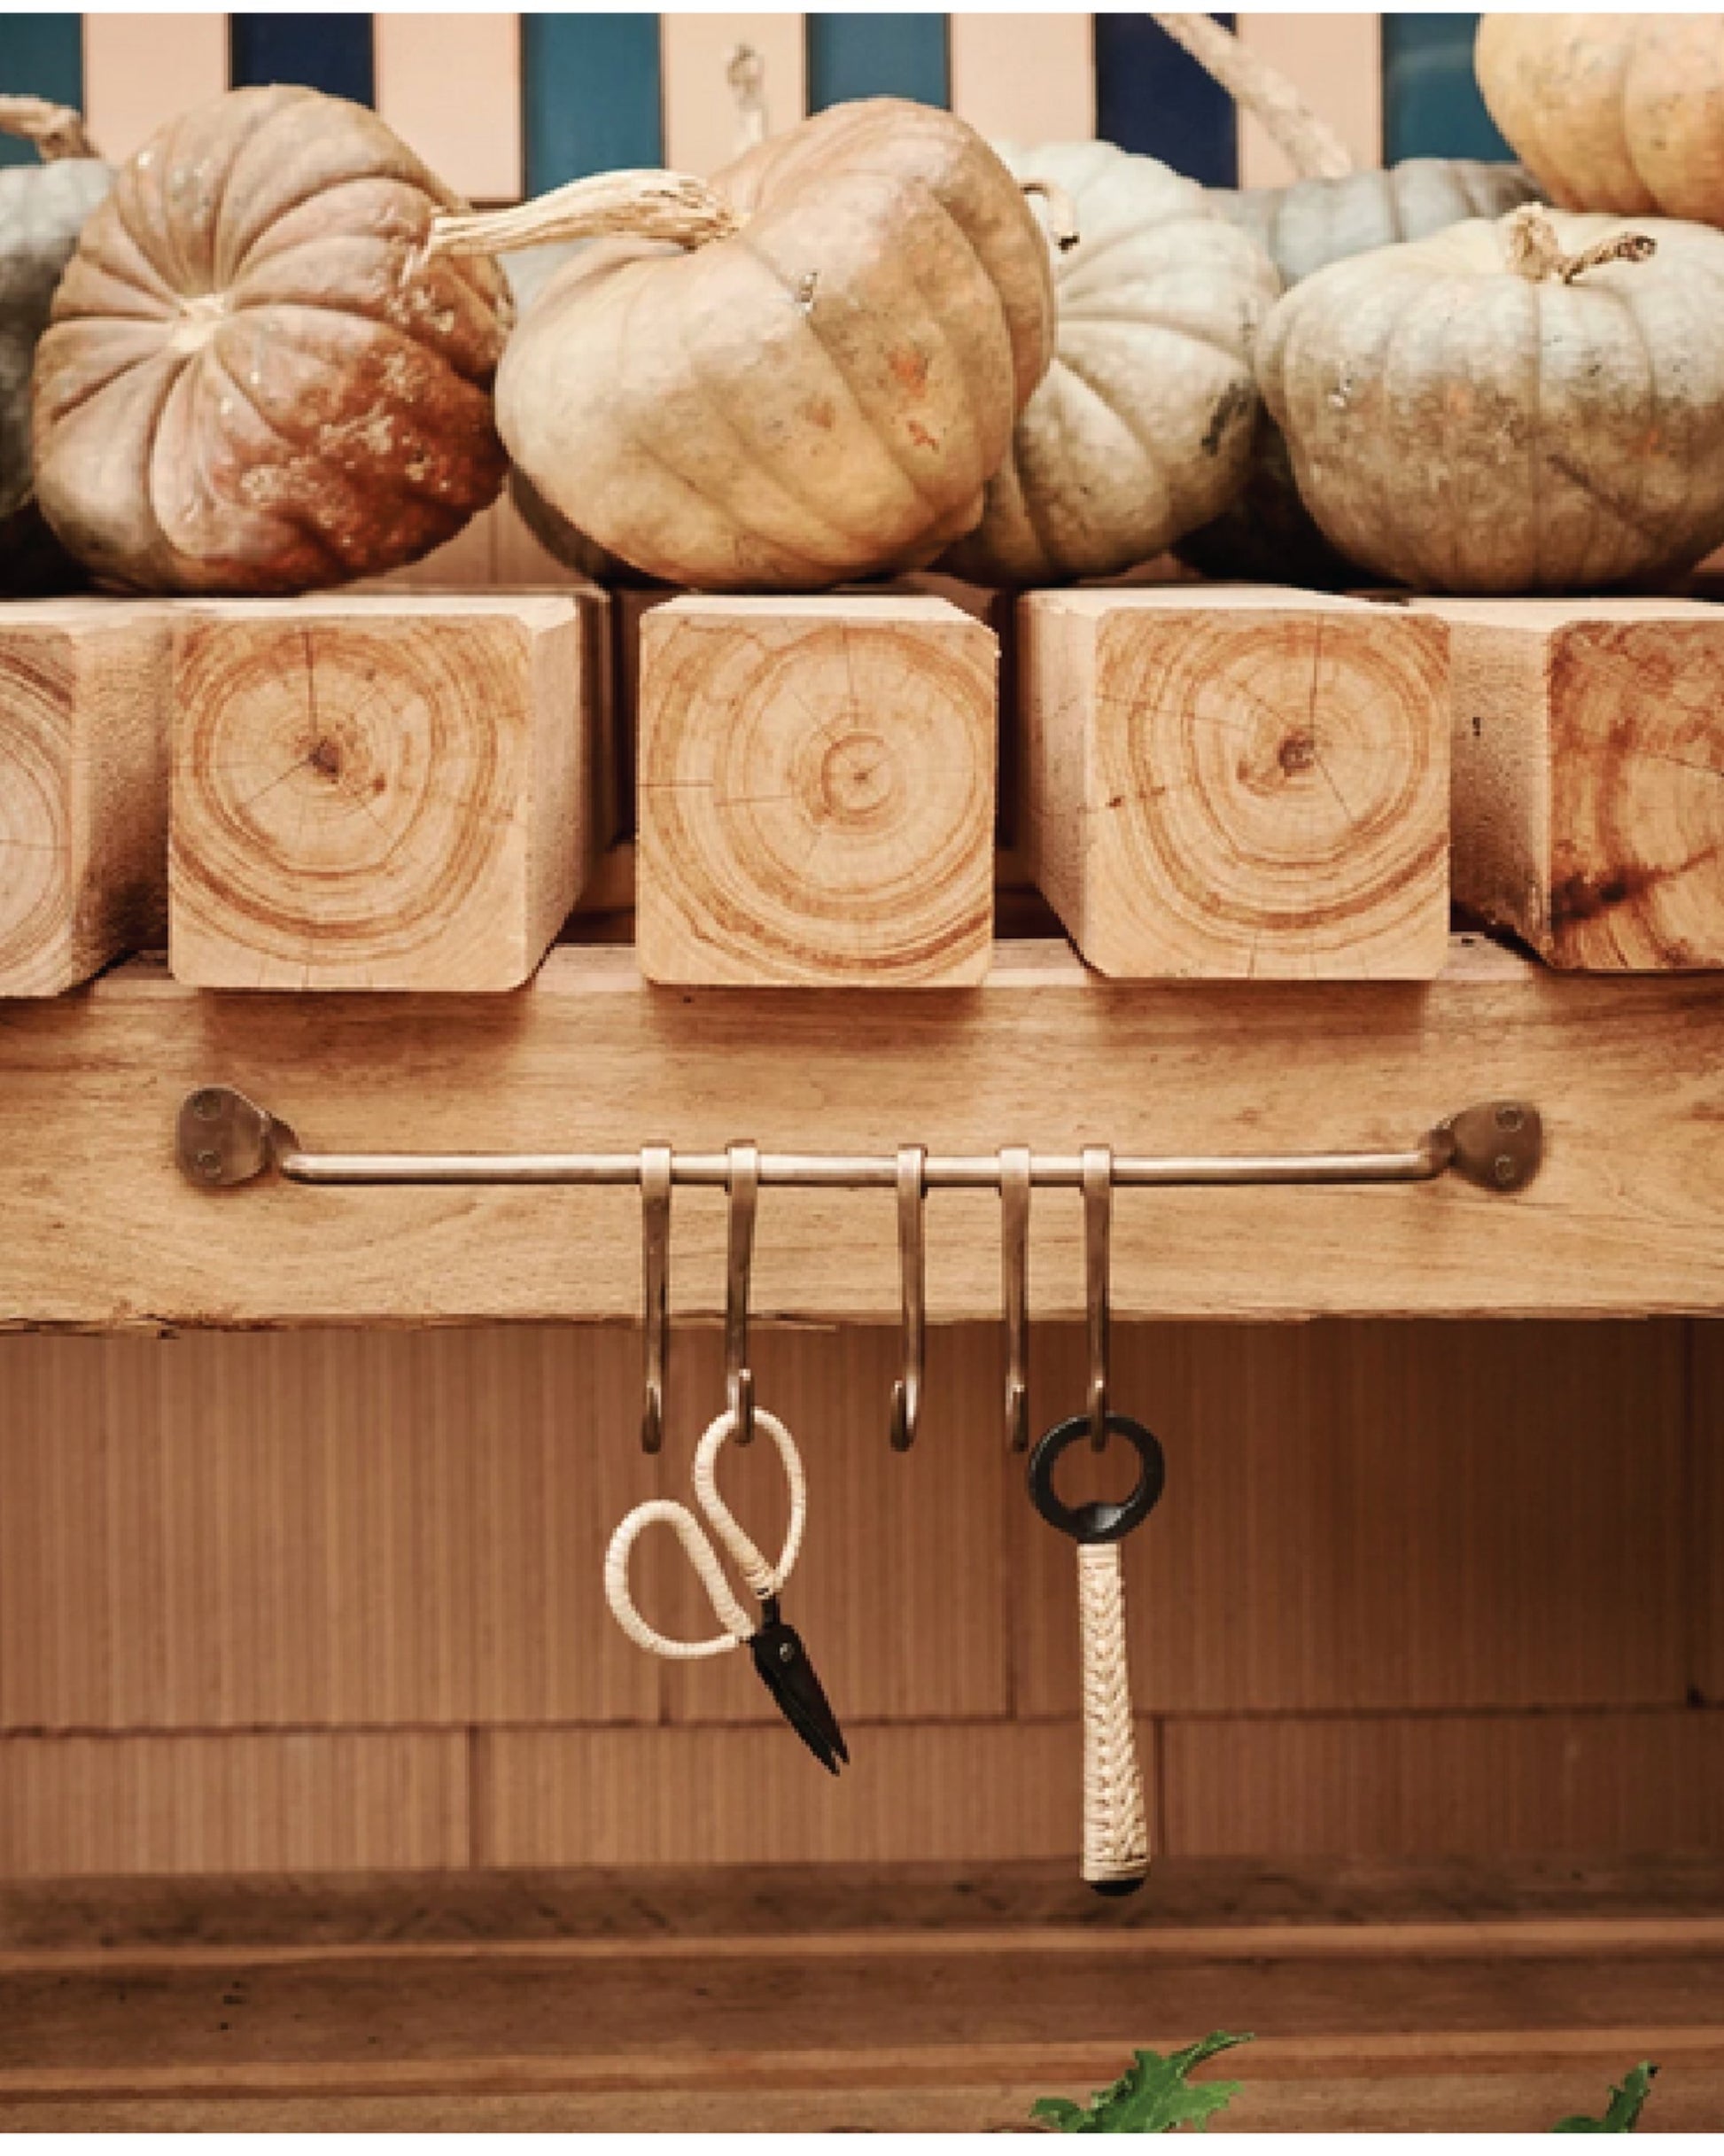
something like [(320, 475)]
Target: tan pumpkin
[(802, 373), (1622, 112), (1142, 427), (1532, 405), (254, 380)]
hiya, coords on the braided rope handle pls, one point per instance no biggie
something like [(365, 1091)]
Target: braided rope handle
[(764, 1579), (1116, 1830)]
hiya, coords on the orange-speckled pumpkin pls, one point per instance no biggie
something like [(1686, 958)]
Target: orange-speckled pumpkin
[(254, 378)]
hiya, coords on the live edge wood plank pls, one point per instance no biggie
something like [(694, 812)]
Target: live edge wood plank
[(1626, 1219)]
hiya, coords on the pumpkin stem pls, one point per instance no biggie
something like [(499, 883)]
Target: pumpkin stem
[(746, 72), (1061, 212), (1317, 152), (56, 129), (1535, 253), (636, 205)]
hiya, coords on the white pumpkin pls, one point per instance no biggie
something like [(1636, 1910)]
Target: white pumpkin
[(1535, 404), (1141, 429)]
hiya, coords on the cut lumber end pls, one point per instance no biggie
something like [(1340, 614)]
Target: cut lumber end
[(84, 789), (816, 791), (388, 792), (1590, 777), (1236, 783)]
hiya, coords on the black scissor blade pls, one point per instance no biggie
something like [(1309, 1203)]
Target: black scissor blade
[(788, 1675)]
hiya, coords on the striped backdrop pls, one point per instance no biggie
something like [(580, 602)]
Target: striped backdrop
[(498, 103)]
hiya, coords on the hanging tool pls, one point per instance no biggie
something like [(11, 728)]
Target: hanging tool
[(912, 1279), (780, 1657)]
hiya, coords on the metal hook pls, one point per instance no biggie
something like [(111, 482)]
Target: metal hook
[(913, 1276), (1014, 1269), (742, 1180), (655, 1290), (1098, 1177)]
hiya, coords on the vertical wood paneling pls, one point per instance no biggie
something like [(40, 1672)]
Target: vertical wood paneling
[(328, 52), (1152, 96), (324, 1801), (41, 55), (1431, 102), (1381, 1515), (1336, 62), (701, 118), (877, 56), (141, 71), (1025, 78), (1705, 1510), (590, 91), (1445, 1784), (450, 85)]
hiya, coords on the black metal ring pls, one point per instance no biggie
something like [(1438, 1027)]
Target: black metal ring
[(1100, 1521)]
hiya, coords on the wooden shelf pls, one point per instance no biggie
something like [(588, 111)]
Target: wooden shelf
[(1627, 1217)]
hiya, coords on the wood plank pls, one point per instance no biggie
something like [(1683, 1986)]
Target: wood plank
[(84, 720), (1455, 1783), (450, 85), (142, 70), (705, 125), (816, 792), (1243, 784), (1705, 1483), (1336, 63), (302, 1801), (1028, 78), (1382, 1517), (378, 792), (1623, 1218), (1588, 815)]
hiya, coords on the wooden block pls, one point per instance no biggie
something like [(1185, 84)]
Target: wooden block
[(304, 1800), (1405, 1784), (378, 792), (1588, 808), (816, 792), (84, 789), (1236, 783)]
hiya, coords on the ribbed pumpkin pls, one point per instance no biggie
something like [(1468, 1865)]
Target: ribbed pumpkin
[(43, 209), (1622, 112), (254, 379), (1331, 213), (1142, 428), (1533, 405), (804, 373)]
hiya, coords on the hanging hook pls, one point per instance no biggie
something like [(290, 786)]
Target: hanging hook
[(655, 1290), (1097, 1174), (1014, 1269), (742, 1180), (913, 1276)]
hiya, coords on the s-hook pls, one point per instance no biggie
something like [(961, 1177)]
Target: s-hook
[(1015, 1186), (912, 1278), (743, 1181), (656, 1173), (1097, 1170)]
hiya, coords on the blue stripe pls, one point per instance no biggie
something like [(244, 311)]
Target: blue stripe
[(1431, 101), (877, 56), (590, 97), (328, 52), (40, 56), (1153, 99)]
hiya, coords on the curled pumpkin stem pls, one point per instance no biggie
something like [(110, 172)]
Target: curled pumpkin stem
[(56, 129), (1061, 213), (1310, 144), (1535, 253), (668, 206)]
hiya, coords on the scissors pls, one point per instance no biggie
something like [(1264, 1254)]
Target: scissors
[(780, 1657)]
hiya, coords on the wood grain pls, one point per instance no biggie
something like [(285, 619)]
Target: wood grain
[(1241, 784), (378, 792), (816, 792), (313, 1800), (1704, 1508), (1588, 814), (84, 789), (1451, 1783)]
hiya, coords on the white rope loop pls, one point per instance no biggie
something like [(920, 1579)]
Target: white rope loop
[(1116, 1830), (764, 1579)]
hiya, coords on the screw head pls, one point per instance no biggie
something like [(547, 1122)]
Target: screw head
[(209, 1164), (207, 1106), (1509, 1116), (786, 1652), (1505, 1170)]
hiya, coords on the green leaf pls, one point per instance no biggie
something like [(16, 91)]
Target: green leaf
[(1152, 2096), (1622, 2114)]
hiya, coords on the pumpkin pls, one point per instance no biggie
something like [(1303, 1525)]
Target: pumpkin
[(1622, 112), (1332, 212), (254, 380), (1142, 428), (1535, 404), (802, 373), (43, 209)]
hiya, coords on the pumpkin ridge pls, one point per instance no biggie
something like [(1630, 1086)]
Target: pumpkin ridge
[(1127, 420), (1154, 318), (350, 310), (95, 257)]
